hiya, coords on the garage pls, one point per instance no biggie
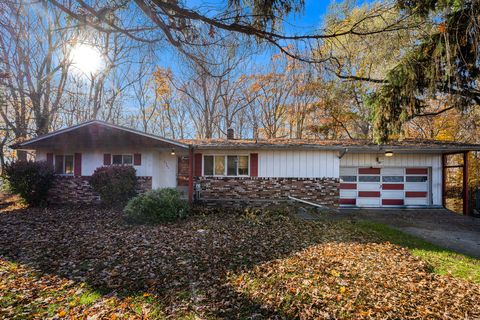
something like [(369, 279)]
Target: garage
[(385, 187)]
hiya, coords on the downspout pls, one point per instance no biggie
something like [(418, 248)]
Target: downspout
[(190, 175)]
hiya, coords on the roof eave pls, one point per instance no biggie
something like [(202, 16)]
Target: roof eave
[(350, 149)]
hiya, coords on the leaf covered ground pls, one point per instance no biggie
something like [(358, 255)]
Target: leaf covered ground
[(89, 263)]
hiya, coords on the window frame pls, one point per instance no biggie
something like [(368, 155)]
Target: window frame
[(123, 161), (63, 164), (225, 162)]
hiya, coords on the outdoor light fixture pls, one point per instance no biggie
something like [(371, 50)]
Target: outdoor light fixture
[(388, 154), (172, 152)]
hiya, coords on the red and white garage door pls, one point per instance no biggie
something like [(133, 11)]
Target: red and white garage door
[(384, 187)]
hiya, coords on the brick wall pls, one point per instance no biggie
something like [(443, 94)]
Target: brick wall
[(77, 190), (263, 192)]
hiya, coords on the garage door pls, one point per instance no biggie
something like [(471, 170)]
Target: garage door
[(384, 187)]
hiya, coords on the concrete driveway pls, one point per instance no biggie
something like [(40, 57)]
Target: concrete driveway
[(438, 226)]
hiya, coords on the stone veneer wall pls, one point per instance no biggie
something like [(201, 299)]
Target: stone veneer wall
[(77, 190), (263, 192)]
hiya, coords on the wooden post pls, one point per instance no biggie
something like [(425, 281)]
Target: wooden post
[(444, 179), (190, 175), (465, 183)]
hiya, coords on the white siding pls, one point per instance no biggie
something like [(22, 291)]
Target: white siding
[(298, 164), (94, 159), (290, 163), (434, 161), (164, 170), (161, 166)]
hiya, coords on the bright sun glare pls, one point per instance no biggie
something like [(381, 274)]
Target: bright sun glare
[(86, 59)]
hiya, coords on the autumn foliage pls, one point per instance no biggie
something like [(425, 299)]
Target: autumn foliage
[(214, 266)]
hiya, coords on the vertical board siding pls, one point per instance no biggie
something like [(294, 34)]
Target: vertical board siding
[(298, 164), (434, 161)]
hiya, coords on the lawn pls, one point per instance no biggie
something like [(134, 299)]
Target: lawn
[(79, 263)]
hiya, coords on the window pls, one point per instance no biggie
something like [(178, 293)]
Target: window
[(417, 179), (119, 159), (208, 166), (392, 178), (232, 165), (243, 165), (219, 166), (369, 178), (229, 165), (64, 164), (348, 178)]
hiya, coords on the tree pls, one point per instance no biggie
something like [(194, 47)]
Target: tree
[(182, 25), (443, 64), (273, 90), (358, 65), (213, 91)]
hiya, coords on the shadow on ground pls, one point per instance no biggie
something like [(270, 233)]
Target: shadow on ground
[(186, 264)]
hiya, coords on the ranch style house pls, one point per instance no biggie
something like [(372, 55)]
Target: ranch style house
[(239, 172)]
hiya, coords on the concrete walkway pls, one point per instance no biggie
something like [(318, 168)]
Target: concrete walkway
[(438, 226)]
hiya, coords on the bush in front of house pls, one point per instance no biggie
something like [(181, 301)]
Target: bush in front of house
[(155, 206), (31, 180), (115, 184)]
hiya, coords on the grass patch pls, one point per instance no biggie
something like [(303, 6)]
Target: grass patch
[(89, 298), (443, 261)]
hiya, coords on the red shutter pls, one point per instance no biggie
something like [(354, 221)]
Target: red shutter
[(107, 159), (77, 164), (198, 165), (59, 169), (137, 159), (50, 160), (254, 164)]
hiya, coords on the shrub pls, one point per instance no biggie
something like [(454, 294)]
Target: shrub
[(115, 184), (161, 205), (30, 180)]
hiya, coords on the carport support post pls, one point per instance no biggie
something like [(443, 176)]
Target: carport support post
[(465, 183), (444, 179), (190, 175)]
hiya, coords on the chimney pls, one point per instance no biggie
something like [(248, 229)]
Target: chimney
[(230, 134)]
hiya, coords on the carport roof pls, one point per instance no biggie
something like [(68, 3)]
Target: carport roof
[(96, 133)]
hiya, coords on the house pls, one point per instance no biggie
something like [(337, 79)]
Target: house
[(251, 172)]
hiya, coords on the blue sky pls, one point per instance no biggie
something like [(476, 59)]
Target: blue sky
[(302, 23)]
